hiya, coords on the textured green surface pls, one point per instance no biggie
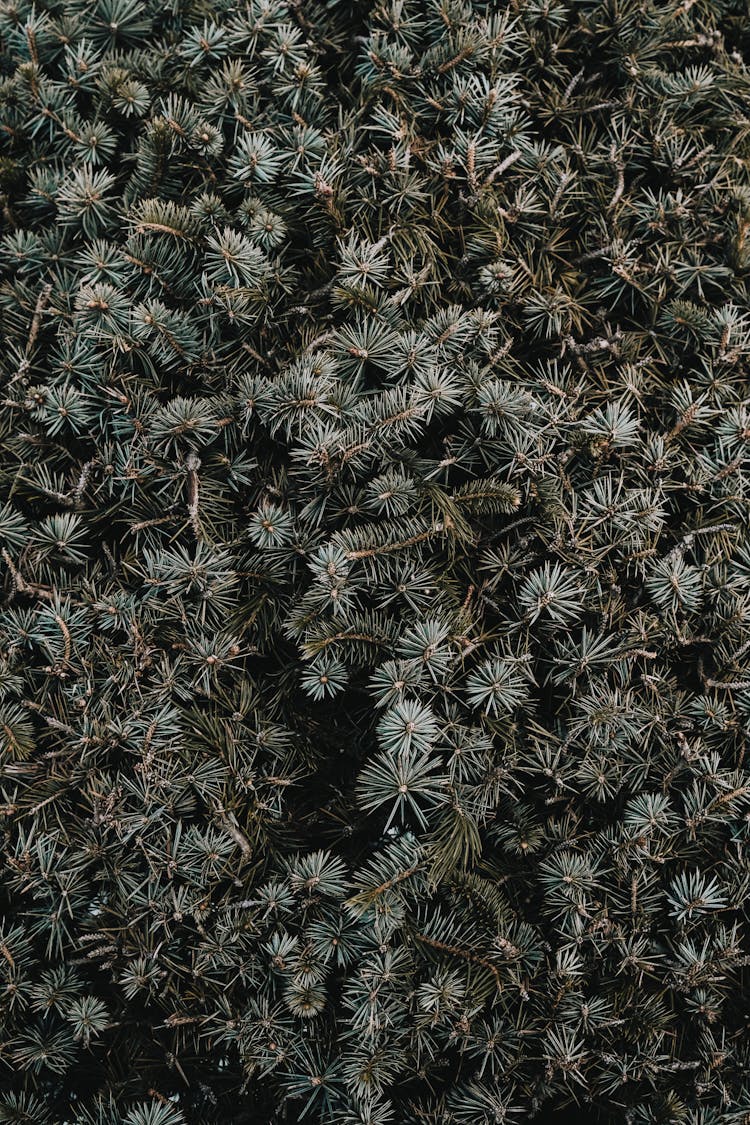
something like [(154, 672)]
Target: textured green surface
[(374, 647)]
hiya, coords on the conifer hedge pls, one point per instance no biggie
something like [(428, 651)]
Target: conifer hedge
[(375, 620)]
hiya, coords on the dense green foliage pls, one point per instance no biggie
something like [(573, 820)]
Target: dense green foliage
[(375, 637)]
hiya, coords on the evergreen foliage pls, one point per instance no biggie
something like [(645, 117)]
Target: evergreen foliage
[(375, 646)]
